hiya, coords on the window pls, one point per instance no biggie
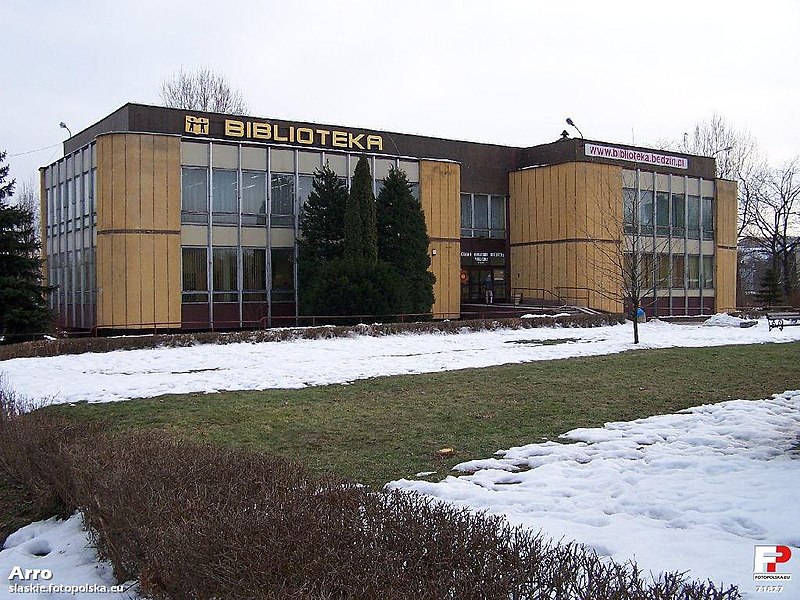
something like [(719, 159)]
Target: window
[(678, 270), (224, 197), (646, 211), (693, 281), (646, 266), (224, 275), (480, 215), (483, 216), (194, 190), (415, 190), (254, 275), (304, 188), (61, 214), (708, 218), (498, 217), (50, 213), (254, 198), (693, 217), (88, 199), (69, 202), (629, 209), (664, 266), (78, 200), (466, 215), (195, 275), (678, 214), (94, 195), (282, 200), (708, 272), (662, 213), (282, 274)]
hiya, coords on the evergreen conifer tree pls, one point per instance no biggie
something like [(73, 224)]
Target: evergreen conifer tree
[(23, 308), (360, 233), (770, 292), (322, 230), (403, 240)]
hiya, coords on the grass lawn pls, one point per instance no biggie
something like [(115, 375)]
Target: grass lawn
[(382, 429)]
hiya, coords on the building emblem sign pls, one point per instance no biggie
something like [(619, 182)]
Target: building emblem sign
[(196, 125), (640, 156), (264, 131)]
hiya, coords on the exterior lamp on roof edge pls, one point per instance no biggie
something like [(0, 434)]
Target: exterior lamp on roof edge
[(64, 126), (571, 123)]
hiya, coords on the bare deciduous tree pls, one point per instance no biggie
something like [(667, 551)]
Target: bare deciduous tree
[(204, 90), (776, 219), (27, 197), (738, 157), (630, 262)]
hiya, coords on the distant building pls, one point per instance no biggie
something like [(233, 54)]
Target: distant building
[(166, 218)]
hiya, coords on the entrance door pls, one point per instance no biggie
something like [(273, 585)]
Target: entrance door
[(473, 284)]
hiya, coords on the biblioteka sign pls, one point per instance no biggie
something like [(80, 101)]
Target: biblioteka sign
[(291, 134)]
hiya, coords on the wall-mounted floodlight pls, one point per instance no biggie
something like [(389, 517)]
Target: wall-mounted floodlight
[(64, 126), (725, 149), (572, 124)]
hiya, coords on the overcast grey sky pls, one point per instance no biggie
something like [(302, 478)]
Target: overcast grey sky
[(506, 72)]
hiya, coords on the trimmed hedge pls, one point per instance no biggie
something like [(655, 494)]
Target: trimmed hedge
[(107, 344), (196, 521)]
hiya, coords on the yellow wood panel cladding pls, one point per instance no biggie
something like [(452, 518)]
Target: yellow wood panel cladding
[(440, 189), (726, 213), (569, 216), (725, 278), (138, 279), (138, 230), (440, 196), (446, 266), (138, 182)]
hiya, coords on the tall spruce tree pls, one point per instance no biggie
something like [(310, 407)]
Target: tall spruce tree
[(322, 230), (770, 293), (403, 240), (360, 233), (23, 307)]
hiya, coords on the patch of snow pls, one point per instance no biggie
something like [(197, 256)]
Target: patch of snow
[(63, 548), (725, 320), (126, 374), (693, 491)]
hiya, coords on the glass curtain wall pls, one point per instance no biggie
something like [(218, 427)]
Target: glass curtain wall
[(249, 203), (669, 217), (70, 218)]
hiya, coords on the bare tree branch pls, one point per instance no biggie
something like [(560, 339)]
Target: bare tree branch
[(27, 197), (776, 220), (203, 90), (738, 158)]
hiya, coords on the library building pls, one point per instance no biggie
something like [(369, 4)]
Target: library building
[(160, 218)]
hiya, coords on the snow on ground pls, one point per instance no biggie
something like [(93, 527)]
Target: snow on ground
[(62, 548), (693, 491), (129, 374)]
